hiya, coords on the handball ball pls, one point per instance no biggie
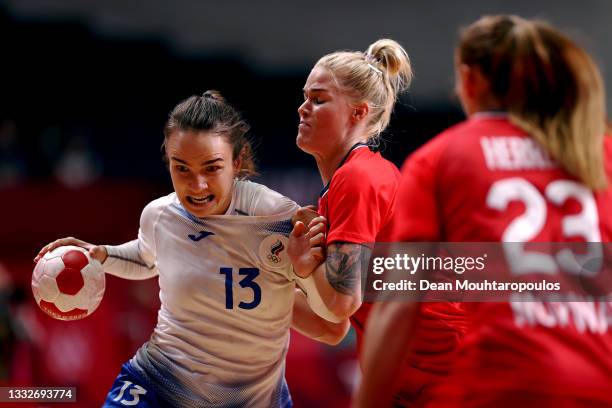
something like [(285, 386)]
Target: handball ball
[(67, 283)]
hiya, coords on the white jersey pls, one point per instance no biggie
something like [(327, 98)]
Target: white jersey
[(227, 292)]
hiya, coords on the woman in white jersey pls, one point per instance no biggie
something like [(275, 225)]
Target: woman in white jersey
[(227, 288)]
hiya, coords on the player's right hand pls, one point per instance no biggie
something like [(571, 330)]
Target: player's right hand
[(97, 252)]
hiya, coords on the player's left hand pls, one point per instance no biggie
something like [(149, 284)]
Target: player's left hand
[(305, 214), (305, 248)]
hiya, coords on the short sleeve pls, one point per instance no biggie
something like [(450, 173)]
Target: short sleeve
[(354, 212), (258, 200), (269, 202)]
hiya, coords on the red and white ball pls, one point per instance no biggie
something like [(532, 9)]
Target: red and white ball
[(68, 284)]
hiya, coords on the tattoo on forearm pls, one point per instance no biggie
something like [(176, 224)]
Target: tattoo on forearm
[(345, 264)]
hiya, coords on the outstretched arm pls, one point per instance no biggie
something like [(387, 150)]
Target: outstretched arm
[(126, 262), (122, 260)]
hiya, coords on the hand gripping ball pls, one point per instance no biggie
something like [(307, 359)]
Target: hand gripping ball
[(68, 284)]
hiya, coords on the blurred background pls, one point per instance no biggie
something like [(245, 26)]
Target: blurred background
[(85, 89)]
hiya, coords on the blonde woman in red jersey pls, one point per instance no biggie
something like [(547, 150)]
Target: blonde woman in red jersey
[(521, 80), (348, 100)]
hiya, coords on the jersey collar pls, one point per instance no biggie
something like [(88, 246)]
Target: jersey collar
[(356, 146)]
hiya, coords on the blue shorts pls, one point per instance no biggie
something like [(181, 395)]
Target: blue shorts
[(131, 389)]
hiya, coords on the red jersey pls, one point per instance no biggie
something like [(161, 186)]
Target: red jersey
[(486, 180), (358, 203)]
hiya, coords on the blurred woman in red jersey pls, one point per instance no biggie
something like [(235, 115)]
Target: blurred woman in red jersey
[(521, 83)]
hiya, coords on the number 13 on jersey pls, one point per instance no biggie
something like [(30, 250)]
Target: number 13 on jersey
[(248, 281)]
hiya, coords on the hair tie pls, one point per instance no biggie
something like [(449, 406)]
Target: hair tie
[(371, 60)]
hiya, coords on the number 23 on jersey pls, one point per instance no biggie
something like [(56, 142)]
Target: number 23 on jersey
[(528, 225)]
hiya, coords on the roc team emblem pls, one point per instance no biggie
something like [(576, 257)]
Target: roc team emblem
[(273, 251)]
